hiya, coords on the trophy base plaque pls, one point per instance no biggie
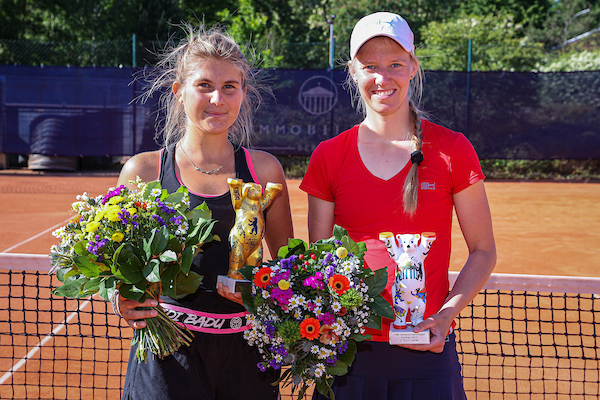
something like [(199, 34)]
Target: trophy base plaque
[(407, 336), (234, 285)]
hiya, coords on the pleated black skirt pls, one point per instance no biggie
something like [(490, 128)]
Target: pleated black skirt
[(384, 372)]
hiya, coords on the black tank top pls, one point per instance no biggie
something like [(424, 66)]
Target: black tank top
[(214, 259)]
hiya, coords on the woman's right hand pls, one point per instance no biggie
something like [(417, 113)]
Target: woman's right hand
[(133, 315)]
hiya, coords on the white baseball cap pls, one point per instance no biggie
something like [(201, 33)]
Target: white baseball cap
[(381, 24)]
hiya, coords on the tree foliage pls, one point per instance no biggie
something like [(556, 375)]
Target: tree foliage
[(506, 34), (495, 43)]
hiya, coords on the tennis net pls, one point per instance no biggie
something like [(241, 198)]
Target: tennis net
[(523, 337)]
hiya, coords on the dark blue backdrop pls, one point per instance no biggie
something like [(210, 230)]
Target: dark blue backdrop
[(90, 112)]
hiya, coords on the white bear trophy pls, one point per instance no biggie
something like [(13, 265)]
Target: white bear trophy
[(408, 289)]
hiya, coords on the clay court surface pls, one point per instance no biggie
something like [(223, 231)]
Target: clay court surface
[(540, 227)]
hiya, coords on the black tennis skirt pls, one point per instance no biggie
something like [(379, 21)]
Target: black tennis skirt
[(384, 372)]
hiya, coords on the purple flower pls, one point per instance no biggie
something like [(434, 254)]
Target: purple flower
[(331, 360), (269, 328), (314, 282), (326, 318), (112, 193), (342, 347), (158, 219), (329, 271), (279, 349), (261, 366), (281, 275), (282, 296), (288, 263), (166, 209), (274, 364), (176, 220)]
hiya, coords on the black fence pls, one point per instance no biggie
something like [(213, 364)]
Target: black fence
[(61, 111)]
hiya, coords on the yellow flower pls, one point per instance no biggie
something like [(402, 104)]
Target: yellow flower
[(113, 215), (283, 284), (99, 216), (92, 226), (341, 252), (115, 200), (117, 236), (132, 210)]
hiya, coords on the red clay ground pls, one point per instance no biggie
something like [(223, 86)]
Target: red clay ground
[(540, 227)]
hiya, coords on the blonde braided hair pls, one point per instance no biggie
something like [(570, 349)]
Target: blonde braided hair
[(411, 184)]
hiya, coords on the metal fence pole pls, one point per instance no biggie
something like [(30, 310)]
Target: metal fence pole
[(468, 86), (133, 51)]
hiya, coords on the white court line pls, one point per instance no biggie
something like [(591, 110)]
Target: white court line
[(37, 236), (60, 327), (42, 342)]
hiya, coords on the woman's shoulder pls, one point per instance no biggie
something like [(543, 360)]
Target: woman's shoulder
[(440, 134), (267, 166), (146, 165), (342, 138)]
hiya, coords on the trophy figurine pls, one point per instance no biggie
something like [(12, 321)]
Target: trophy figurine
[(408, 289), (245, 238)]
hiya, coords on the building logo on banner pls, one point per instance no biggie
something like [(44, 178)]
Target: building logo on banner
[(318, 95)]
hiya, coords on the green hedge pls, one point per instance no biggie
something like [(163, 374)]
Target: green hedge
[(532, 170)]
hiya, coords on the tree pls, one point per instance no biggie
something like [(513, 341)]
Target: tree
[(496, 45)]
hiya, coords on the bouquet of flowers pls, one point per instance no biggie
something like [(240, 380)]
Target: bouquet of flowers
[(140, 242), (309, 308)]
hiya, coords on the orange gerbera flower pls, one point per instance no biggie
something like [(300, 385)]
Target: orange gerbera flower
[(263, 277), (309, 328), (339, 283)]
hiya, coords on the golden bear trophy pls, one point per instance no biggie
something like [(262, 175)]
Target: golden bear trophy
[(245, 238)]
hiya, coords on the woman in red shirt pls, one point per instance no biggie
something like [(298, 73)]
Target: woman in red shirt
[(398, 172)]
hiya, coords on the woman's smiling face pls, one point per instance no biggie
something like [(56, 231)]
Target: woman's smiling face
[(382, 70)]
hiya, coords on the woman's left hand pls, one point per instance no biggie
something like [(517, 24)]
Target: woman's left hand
[(224, 291), (438, 327)]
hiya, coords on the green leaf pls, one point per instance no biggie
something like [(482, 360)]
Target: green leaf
[(151, 271), (72, 289), (175, 198), (339, 232), (248, 301), (81, 247), (187, 256), (147, 245), (382, 308), (295, 246), (92, 286), (148, 189), (131, 292), (340, 368), (87, 266), (129, 265), (377, 282), (359, 338), (349, 354), (175, 244), (246, 272), (374, 322), (107, 288), (61, 273), (169, 279), (324, 387), (168, 256), (200, 213), (187, 284), (160, 238)]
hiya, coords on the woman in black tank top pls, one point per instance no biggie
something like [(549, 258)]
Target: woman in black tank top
[(208, 91)]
